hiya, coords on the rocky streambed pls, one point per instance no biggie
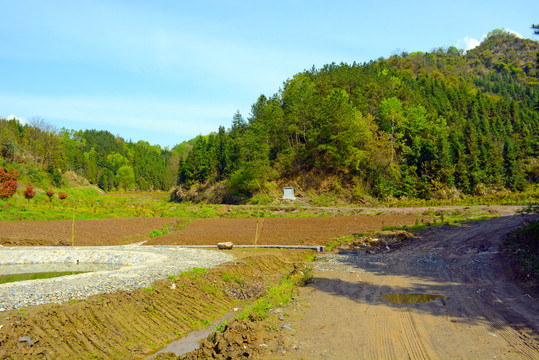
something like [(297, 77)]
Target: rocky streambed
[(140, 266)]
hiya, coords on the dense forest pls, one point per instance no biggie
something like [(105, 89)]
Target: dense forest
[(47, 156), (439, 124), (417, 125)]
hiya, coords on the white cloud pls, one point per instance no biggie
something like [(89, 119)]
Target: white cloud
[(469, 43), (514, 33)]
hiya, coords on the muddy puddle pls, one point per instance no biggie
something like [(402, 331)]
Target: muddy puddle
[(189, 342), (35, 276), (404, 298)]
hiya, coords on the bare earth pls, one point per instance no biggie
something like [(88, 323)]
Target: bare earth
[(345, 313), (485, 314), (283, 231), (87, 232), (271, 231)]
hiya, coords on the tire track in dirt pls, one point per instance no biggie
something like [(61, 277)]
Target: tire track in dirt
[(381, 346), (410, 341), (516, 340)]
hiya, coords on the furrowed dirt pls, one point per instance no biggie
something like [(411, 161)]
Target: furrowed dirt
[(271, 231), (280, 231), (87, 232), (128, 325)]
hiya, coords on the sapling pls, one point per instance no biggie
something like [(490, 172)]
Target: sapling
[(50, 194)]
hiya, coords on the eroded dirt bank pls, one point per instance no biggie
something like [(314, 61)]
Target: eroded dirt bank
[(128, 325)]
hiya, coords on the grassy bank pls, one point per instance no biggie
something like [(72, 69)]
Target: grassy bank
[(87, 203), (523, 247)]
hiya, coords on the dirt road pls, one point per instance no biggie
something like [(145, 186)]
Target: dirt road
[(354, 308)]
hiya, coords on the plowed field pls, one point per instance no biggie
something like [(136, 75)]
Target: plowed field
[(279, 231), (87, 232), (271, 231)]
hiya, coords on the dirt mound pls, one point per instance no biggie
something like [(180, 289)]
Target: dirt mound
[(380, 241), (239, 339)]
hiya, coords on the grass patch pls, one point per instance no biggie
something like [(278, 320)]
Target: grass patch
[(232, 277), (88, 204), (336, 242), (277, 295), (194, 273)]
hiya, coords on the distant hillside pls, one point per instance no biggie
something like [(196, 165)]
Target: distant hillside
[(47, 157), (419, 125)]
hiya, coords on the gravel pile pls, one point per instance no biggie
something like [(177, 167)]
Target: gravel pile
[(140, 267)]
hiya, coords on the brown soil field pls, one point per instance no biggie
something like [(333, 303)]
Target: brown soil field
[(87, 232), (280, 231), (271, 231)]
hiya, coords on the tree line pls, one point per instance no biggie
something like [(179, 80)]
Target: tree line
[(38, 150)]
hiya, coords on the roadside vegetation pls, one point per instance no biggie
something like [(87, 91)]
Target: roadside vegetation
[(523, 247), (87, 203)]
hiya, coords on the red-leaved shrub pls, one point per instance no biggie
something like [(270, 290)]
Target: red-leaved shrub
[(8, 183), (29, 193), (50, 194), (62, 196)]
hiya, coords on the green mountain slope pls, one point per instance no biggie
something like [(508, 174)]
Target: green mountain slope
[(419, 125)]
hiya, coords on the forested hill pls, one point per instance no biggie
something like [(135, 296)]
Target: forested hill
[(419, 125), (47, 157), (428, 125)]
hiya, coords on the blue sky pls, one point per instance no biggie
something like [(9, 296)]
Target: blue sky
[(166, 71)]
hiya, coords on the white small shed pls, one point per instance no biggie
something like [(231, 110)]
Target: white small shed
[(288, 193)]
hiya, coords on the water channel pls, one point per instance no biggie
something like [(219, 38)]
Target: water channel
[(23, 272)]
